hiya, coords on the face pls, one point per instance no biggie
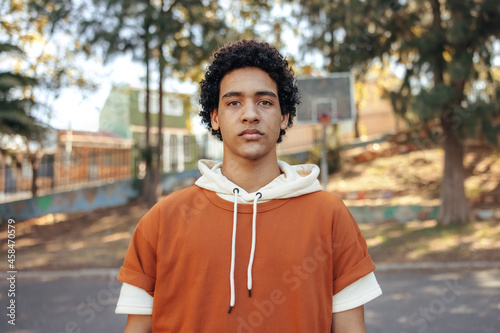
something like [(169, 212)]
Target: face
[(249, 114)]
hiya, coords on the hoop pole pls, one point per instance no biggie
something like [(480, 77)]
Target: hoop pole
[(324, 161)]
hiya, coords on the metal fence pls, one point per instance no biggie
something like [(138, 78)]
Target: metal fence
[(60, 171)]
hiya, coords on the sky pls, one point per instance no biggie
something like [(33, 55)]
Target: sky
[(73, 109), (81, 111)]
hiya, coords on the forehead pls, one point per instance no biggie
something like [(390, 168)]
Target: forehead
[(247, 79)]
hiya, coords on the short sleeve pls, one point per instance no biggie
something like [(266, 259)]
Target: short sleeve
[(351, 260), (139, 266)]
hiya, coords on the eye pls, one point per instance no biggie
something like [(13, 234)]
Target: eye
[(266, 103), (233, 103)]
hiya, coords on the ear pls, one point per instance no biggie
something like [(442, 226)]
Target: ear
[(284, 121), (214, 119)]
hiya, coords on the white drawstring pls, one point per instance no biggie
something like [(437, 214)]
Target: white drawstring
[(258, 195), (233, 249)]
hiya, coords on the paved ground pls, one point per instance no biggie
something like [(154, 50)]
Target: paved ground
[(413, 301), (436, 302), (75, 305)]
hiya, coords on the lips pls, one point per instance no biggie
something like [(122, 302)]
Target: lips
[(251, 134)]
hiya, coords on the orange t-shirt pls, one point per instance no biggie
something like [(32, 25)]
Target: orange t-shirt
[(307, 249)]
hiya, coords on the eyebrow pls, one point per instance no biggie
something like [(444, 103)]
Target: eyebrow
[(258, 93)]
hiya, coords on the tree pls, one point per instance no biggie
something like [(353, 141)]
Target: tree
[(174, 37), (14, 107), (444, 48), (45, 33), (39, 37)]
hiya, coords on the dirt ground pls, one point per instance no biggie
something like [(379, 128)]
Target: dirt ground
[(99, 239), (415, 178)]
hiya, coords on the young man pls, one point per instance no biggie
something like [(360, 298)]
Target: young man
[(255, 245)]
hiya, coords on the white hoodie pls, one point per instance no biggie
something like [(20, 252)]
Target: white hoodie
[(293, 181)]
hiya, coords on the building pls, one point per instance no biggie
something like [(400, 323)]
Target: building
[(65, 160), (91, 157), (123, 114)]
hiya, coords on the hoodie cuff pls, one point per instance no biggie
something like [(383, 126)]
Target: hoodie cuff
[(134, 300), (356, 294)]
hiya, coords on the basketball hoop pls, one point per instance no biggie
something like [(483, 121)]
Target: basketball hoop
[(324, 118)]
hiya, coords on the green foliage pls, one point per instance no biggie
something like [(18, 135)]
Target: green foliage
[(431, 101), (187, 31), (38, 52), (15, 115), (444, 49)]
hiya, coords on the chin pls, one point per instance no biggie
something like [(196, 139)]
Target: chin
[(255, 155)]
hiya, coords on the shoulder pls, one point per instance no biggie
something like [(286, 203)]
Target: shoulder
[(329, 206), (322, 199), (186, 194), (323, 206), (170, 204)]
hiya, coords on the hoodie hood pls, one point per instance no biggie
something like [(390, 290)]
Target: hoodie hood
[(294, 181)]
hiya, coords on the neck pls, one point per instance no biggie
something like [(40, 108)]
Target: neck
[(251, 175)]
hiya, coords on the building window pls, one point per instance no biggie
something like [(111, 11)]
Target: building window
[(26, 170), (173, 153), (188, 156), (172, 104), (108, 158)]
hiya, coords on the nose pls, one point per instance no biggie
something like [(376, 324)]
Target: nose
[(250, 113)]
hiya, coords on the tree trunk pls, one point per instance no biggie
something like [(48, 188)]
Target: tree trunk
[(149, 193), (159, 164), (159, 161), (356, 122), (34, 168), (161, 64), (454, 206), (32, 158), (147, 111), (150, 187)]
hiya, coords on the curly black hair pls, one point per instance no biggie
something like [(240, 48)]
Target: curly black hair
[(248, 53)]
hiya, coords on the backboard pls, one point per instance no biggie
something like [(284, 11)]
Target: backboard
[(332, 96)]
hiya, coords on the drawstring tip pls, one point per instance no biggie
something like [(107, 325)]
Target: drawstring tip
[(230, 308), (249, 292)]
